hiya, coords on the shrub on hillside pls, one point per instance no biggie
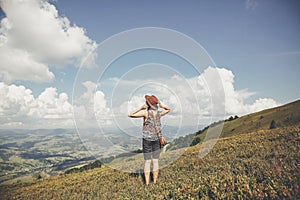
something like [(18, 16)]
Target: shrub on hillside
[(92, 165), (196, 141), (273, 124)]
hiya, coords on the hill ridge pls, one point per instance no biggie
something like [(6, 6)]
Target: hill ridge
[(284, 115)]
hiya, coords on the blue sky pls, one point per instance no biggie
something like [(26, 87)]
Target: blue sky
[(260, 44), (256, 41)]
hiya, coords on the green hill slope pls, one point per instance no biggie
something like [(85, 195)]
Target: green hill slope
[(247, 162), (283, 116), (286, 115)]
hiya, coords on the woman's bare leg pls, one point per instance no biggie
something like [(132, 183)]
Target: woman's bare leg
[(155, 170), (147, 171)]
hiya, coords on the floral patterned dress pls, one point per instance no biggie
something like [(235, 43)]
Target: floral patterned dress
[(152, 126)]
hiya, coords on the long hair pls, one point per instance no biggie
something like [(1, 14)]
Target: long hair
[(150, 106)]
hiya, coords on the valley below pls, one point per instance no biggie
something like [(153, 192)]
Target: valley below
[(37, 152), (26, 155)]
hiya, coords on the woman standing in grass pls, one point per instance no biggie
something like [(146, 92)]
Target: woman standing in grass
[(151, 133)]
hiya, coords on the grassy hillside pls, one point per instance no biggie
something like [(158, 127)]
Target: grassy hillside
[(286, 115), (247, 162), (261, 164)]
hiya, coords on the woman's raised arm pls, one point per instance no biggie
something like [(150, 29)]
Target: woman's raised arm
[(166, 109), (137, 113)]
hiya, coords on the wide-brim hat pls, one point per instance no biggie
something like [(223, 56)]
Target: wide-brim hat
[(151, 99)]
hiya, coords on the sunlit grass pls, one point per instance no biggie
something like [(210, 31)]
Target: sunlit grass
[(262, 164)]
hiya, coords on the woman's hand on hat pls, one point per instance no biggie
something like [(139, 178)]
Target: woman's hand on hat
[(159, 103), (166, 109)]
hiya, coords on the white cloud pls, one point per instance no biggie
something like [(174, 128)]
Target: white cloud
[(260, 104), (189, 99), (251, 4), (16, 64), (20, 109), (15, 101), (51, 105), (91, 108), (235, 99), (92, 99), (33, 37)]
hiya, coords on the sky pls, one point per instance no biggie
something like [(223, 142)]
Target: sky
[(67, 64)]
